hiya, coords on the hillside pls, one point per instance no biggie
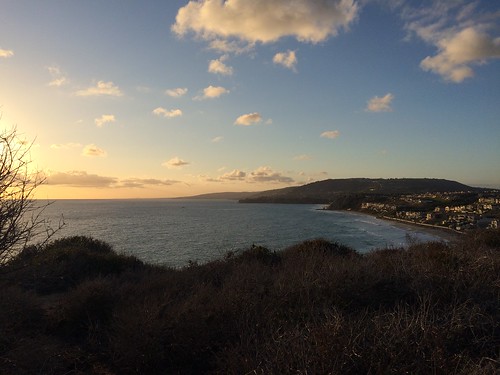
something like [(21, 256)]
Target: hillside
[(224, 195), (76, 306), (329, 190)]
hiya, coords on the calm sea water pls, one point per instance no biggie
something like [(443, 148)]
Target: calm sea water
[(173, 232)]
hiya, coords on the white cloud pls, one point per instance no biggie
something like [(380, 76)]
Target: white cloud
[(104, 119), (212, 92), (459, 32), (217, 139), (167, 113), (58, 77), (380, 104), (218, 67), (330, 134), (234, 175), (175, 163), (93, 151), (265, 21), (80, 179), (65, 146), (461, 50), (266, 174), (101, 89), (248, 119), (177, 93), (287, 59), (6, 53)]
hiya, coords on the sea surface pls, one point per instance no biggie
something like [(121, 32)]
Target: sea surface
[(173, 232)]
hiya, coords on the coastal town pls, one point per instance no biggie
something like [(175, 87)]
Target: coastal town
[(458, 211)]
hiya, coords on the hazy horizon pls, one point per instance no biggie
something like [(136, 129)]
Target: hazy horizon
[(166, 99)]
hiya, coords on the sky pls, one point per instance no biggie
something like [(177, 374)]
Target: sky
[(149, 99)]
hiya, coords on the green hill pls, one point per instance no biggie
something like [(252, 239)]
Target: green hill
[(329, 190)]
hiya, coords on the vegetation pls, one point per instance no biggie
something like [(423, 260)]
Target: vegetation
[(340, 191), (20, 214), (74, 306)]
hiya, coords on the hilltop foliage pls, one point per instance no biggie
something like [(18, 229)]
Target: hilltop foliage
[(75, 306), (334, 190)]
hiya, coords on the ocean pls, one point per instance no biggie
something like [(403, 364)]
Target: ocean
[(173, 232)]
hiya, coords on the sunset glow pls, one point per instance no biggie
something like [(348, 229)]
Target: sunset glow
[(177, 98)]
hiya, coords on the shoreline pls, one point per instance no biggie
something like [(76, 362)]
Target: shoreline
[(445, 233)]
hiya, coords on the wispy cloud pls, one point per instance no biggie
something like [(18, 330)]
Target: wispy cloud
[(175, 162), (287, 59), (265, 21), (330, 134), (87, 180), (248, 119), (212, 92), (218, 67), (302, 157), (177, 92), (459, 32), (167, 113), (217, 139), (266, 174), (101, 89), (58, 77), (65, 146), (380, 104), (104, 119), (141, 183), (93, 151), (80, 179), (6, 53)]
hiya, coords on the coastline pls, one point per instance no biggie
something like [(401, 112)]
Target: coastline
[(446, 234)]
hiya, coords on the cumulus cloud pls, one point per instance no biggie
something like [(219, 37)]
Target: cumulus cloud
[(80, 179), (330, 134), (234, 175), (460, 33), (212, 92), (104, 119), (265, 21), (93, 151), (58, 77), (218, 67), (266, 174), (101, 89), (248, 119), (6, 53), (167, 113), (177, 92), (175, 162), (380, 104), (461, 50), (287, 59)]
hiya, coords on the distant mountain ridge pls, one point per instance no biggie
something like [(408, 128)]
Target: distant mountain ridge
[(224, 195), (329, 190)]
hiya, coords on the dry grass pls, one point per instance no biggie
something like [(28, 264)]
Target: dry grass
[(315, 308)]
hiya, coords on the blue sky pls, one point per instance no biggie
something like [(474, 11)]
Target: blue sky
[(133, 99)]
